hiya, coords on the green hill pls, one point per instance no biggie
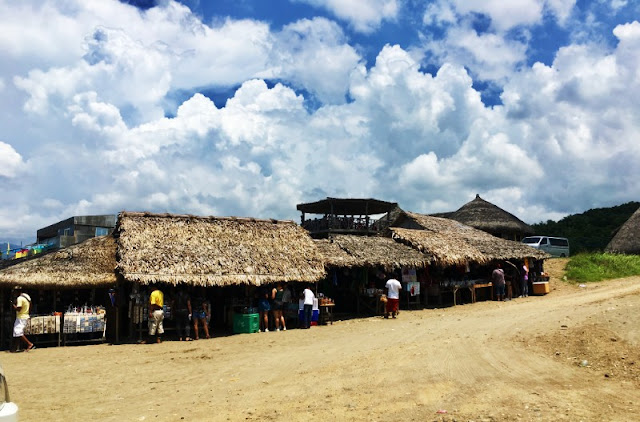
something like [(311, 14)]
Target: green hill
[(590, 231)]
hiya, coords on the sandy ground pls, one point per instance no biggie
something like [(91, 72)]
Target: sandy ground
[(571, 355)]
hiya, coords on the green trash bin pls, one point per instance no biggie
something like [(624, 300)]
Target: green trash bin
[(246, 323)]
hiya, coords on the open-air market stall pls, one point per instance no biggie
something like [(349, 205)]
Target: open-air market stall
[(228, 260), (359, 267), (464, 257), (68, 289)]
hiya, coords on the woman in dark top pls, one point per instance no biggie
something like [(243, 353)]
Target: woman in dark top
[(182, 313), (278, 306)]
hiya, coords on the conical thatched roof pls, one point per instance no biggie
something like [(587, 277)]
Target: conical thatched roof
[(370, 251), (483, 215), (91, 263), (453, 243), (627, 240), (214, 250)]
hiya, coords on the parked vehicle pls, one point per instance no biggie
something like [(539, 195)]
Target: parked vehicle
[(8, 409), (554, 246)]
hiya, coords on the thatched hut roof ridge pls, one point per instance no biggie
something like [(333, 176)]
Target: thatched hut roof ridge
[(627, 239), (486, 216), (200, 217)]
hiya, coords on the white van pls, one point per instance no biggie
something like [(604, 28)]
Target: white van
[(554, 246)]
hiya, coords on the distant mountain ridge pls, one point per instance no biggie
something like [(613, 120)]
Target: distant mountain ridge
[(590, 231)]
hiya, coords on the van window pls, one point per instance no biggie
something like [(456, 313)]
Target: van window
[(531, 240), (556, 241)]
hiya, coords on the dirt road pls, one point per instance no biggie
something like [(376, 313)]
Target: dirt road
[(571, 355)]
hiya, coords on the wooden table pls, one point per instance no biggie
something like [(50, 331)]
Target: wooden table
[(477, 286), (326, 313)]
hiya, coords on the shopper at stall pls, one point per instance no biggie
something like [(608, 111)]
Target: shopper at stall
[(393, 297), (497, 278), (182, 312), (201, 313), (156, 315), (308, 298), (278, 306), (524, 286), (22, 306), (264, 307)]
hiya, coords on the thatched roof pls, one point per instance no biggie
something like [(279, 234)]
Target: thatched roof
[(453, 243), (91, 263), (370, 251), (214, 250), (627, 239), (333, 255), (484, 215)]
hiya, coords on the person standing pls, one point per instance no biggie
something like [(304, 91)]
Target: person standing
[(156, 315), (278, 307), (22, 308), (308, 298), (497, 278), (201, 312), (524, 286), (393, 297), (182, 311), (264, 307)]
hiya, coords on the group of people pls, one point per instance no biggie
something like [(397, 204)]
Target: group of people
[(274, 300), (498, 281), (188, 311)]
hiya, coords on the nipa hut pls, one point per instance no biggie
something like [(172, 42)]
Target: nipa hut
[(71, 281), (627, 239), (370, 251), (485, 216), (453, 243), (88, 264), (463, 255), (214, 251), (360, 265)]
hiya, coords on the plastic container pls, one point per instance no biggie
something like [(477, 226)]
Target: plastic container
[(246, 323)]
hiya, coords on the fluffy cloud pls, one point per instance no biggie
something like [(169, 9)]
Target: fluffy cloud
[(507, 15), (492, 53), (363, 15), (10, 161), (314, 54), (489, 56), (88, 133)]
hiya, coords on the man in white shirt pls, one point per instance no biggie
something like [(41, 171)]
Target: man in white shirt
[(308, 297), (393, 297)]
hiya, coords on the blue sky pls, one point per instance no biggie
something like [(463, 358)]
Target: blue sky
[(249, 107)]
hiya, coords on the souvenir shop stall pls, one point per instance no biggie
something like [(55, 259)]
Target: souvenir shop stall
[(362, 290), (57, 317), (68, 290), (84, 315)]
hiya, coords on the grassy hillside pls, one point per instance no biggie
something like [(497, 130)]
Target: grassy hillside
[(584, 267), (590, 231)]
